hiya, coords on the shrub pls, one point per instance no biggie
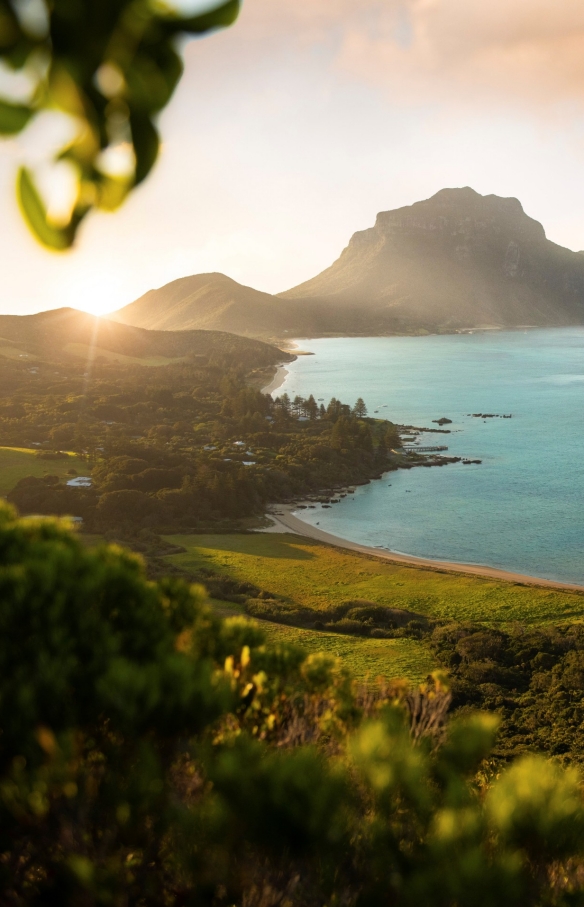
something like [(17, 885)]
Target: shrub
[(153, 754)]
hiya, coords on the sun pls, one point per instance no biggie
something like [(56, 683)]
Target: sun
[(96, 292)]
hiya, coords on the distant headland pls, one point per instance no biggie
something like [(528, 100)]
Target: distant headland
[(458, 261)]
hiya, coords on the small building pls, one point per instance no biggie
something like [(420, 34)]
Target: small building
[(80, 482)]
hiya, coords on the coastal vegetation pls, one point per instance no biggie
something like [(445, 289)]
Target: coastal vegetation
[(512, 649), (176, 447), (152, 753), (314, 578), (148, 731)]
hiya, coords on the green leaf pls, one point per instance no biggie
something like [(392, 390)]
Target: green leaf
[(13, 118), (224, 15), (146, 145), (33, 209)]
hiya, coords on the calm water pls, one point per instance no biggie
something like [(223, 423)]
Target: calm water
[(522, 508)]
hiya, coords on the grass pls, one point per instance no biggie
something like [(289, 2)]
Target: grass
[(18, 462), (12, 352), (367, 658), (406, 658), (85, 352), (317, 576)]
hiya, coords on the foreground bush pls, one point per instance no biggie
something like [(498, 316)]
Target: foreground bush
[(151, 754)]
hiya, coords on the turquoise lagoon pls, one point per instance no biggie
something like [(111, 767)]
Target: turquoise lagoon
[(522, 508)]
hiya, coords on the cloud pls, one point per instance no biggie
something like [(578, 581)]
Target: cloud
[(464, 51), (431, 51)]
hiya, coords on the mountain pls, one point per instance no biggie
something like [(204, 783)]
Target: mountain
[(456, 260), (68, 332), (213, 302)]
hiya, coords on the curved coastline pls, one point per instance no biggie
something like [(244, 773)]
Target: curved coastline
[(286, 521), (276, 381)]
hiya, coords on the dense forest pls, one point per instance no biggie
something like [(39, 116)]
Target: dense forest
[(182, 446)]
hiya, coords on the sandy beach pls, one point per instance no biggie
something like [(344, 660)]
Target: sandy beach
[(285, 521), (276, 381)]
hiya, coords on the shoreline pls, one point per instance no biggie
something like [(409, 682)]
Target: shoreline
[(284, 521), (277, 381)]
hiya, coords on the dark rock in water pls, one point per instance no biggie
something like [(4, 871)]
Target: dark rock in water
[(442, 421)]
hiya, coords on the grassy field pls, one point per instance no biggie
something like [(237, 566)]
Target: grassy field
[(18, 462), (314, 575), (85, 352), (367, 658)]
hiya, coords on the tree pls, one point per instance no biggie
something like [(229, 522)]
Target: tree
[(111, 66), (311, 408), (360, 410)]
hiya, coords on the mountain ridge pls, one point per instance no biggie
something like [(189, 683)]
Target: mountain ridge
[(458, 260)]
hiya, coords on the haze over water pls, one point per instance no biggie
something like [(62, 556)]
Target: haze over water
[(521, 509)]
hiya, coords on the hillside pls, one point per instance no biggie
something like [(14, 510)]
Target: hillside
[(69, 332), (215, 302), (456, 260)]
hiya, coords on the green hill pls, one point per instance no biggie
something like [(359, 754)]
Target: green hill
[(68, 332)]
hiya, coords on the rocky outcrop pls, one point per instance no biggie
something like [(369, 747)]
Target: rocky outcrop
[(457, 260)]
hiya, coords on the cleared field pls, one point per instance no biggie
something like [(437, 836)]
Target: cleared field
[(367, 658), (317, 576), (85, 352), (18, 462), (12, 352)]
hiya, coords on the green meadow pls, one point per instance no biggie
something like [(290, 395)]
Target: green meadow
[(85, 351), (367, 658), (18, 462), (314, 575)]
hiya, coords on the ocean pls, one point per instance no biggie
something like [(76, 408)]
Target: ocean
[(522, 508)]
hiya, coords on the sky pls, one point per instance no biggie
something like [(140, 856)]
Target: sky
[(292, 129)]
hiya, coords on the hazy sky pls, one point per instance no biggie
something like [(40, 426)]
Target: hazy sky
[(292, 129)]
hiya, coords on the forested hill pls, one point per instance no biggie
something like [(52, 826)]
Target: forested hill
[(68, 331), (457, 260)]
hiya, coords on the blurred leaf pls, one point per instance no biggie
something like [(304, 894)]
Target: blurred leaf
[(224, 15), (58, 238), (137, 39), (146, 145), (13, 118), (538, 806), (113, 192)]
